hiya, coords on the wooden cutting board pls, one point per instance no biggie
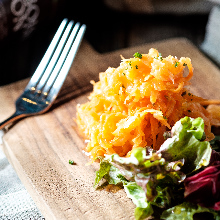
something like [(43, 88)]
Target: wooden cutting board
[(39, 147)]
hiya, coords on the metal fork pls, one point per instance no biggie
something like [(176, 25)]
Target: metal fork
[(47, 80)]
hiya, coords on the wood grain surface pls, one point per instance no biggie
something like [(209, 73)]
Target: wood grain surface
[(39, 147)]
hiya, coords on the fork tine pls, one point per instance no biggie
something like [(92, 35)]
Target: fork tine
[(42, 65), (67, 64), (61, 59), (55, 57)]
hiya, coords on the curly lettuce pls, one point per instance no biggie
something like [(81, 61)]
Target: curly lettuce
[(187, 142), (155, 178)]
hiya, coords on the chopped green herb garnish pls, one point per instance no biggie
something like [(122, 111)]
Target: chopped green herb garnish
[(138, 55), (176, 64), (71, 162), (136, 66), (159, 57), (123, 74), (184, 64)]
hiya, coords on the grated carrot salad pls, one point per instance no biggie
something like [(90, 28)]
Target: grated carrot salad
[(133, 105)]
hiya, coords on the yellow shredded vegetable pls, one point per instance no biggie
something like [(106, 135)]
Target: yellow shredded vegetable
[(133, 105)]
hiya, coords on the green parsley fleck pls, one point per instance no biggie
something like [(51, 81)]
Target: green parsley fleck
[(71, 162), (123, 74), (165, 117), (159, 57), (136, 66), (176, 64), (138, 55), (184, 64)]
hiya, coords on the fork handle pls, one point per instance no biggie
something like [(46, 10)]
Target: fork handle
[(11, 119)]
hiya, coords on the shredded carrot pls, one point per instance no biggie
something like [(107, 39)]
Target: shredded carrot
[(134, 104)]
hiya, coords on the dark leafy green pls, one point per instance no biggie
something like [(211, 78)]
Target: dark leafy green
[(215, 143)]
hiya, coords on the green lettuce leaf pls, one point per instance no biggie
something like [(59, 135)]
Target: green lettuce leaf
[(187, 143), (103, 170), (147, 170), (143, 213), (110, 173), (113, 175), (136, 193), (186, 211), (142, 176)]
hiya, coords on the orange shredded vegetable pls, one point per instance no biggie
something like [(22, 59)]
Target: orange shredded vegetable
[(133, 105)]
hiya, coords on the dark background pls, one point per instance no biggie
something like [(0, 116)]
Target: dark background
[(107, 30)]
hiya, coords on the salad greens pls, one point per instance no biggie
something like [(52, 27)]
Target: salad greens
[(187, 143), (186, 211), (155, 179)]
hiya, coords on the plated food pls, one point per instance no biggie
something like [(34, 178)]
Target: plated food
[(149, 133)]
